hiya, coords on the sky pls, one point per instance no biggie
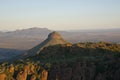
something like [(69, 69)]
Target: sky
[(59, 14)]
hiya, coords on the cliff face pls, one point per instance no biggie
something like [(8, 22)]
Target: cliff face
[(81, 71)]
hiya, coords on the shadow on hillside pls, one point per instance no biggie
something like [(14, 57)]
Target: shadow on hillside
[(59, 53)]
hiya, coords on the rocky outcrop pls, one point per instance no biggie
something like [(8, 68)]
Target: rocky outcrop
[(32, 69), (33, 77), (3, 76), (44, 75), (11, 68), (28, 70), (22, 75)]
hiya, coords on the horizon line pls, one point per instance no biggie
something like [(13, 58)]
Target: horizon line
[(57, 30)]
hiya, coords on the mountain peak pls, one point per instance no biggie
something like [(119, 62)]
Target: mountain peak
[(54, 35)]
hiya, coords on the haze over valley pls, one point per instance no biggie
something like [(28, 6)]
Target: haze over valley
[(25, 39)]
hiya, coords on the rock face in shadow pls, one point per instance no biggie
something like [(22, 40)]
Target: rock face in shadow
[(60, 73), (100, 77), (81, 71), (54, 38), (117, 75)]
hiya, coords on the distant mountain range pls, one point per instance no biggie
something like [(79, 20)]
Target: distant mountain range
[(27, 38)]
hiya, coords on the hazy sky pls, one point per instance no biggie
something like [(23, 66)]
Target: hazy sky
[(59, 14)]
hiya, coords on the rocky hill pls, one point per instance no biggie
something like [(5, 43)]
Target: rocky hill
[(53, 38)]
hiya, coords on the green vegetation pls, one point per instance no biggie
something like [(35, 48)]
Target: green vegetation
[(102, 59), (79, 51)]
